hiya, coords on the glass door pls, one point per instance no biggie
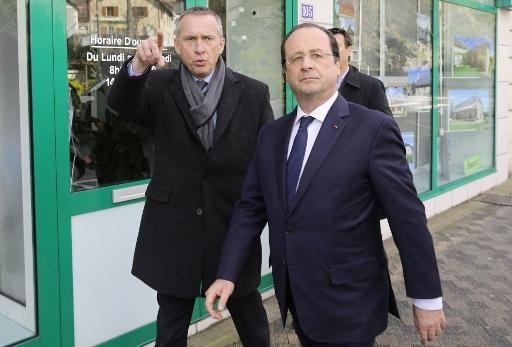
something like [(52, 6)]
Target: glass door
[(17, 297)]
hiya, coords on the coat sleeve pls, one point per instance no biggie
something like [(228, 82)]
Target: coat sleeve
[(393, 184), (266, 113), (247, 223)]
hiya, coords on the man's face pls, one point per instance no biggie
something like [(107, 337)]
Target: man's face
[(310, 76), (199, 44), (345, 52)]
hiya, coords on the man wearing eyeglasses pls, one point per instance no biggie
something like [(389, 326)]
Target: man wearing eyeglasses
[(354, 85), (319, 177)]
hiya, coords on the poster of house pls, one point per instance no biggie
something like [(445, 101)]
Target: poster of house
[(419, 80), (397, 99), (409, 138), (468, 109), (472, 56)]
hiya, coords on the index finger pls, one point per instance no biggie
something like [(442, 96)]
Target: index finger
[(160, 39)]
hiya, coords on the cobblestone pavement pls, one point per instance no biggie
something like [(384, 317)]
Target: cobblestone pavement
[(474, 249)]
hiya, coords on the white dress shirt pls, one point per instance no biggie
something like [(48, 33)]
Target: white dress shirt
[(313, 129), (341, 77)]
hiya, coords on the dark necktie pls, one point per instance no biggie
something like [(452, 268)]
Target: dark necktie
[(202, 85), (295, 159)]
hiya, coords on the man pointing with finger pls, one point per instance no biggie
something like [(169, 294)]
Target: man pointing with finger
[(205, 120)]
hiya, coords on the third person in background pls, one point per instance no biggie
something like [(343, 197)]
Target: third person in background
[(355, 86)]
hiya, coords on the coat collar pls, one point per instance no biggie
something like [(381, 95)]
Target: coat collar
[(352, 77), (176, 90), (229, 98), (231, 92)]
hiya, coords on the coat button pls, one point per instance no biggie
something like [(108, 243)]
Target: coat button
[(289, 230), (199, 211)]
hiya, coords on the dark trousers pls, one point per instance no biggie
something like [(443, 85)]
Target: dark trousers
[(247, 312), (304, 340)]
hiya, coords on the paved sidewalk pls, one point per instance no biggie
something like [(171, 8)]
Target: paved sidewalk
[(474, 248)]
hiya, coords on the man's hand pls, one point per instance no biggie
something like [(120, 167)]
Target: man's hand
[(429, 323), (221, 289), (149, 52)]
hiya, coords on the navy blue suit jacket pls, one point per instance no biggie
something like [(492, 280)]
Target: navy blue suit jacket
[(329, 243)]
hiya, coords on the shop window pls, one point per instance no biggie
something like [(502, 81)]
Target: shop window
[(254, 30), (398, 51), (466, 92), (361, 20), (407, 69), (105, 150)]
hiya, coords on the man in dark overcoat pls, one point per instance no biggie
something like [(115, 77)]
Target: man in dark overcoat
[(205, 120), (354, 85)]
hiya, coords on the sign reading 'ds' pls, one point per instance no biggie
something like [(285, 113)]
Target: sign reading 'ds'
[(307, 11)]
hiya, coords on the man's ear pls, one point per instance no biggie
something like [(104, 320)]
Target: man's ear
[(177, 47), (222, 45)]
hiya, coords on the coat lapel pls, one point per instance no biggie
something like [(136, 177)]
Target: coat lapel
[(353, 77), (179, 97), (231, 93), (331, 130), (282, 154)]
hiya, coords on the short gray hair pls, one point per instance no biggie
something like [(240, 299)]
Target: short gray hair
[(198, 11)]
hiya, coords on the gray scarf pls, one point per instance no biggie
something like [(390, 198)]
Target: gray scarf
[(202, 107)]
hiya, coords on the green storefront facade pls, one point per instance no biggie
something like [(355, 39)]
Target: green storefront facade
[(73, 177)]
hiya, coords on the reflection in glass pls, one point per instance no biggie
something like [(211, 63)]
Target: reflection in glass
[(408, 79), (466, 92), (254, 30), (104, 149), (361, 19), (17, 298), (397, 50)]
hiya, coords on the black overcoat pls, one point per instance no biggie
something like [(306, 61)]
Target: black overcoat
[(191, 195)]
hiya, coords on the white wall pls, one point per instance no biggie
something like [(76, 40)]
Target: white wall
[(504, 78), (107, 300)]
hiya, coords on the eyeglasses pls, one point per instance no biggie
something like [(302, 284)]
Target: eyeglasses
[(316, 57)]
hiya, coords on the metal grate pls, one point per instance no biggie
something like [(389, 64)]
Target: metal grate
[(505, 200)]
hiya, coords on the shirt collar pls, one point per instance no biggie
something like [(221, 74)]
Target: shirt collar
[(318, 113), (342, 76), (207, 79)]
